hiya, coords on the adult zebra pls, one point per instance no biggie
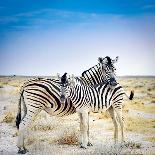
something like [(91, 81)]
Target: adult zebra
[(94, 98), (44, 94)]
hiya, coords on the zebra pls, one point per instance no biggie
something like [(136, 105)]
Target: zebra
[(44, 94), (95, 99)]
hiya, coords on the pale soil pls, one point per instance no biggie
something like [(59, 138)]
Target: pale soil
[(57, 136)]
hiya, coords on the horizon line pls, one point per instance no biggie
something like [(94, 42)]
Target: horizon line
[(14, 75)]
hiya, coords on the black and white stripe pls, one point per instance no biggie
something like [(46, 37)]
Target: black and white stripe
[(44, 94), (95, 98)]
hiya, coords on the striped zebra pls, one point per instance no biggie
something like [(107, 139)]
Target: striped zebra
[(44, 94), (95, 99)]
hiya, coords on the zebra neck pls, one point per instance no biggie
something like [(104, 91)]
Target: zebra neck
[(92, 76)]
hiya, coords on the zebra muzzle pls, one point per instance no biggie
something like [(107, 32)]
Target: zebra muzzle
[(113, 82)]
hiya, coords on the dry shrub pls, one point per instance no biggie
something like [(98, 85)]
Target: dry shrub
[(104, 115), (69, 138), (45, 127), (9, 117), (15, 134), (139, 86), (30, 140), (132, 145), (126, 110)]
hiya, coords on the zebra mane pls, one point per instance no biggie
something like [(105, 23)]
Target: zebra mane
[(85, 72)]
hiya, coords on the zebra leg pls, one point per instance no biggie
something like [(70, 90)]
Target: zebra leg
[(81, 124), (84, 129), (89, 143), (25, 123), (119, 116), (21, 136), (113, 116)]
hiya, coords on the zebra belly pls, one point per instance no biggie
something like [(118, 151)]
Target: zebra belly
[(98, 110), (64, 110)]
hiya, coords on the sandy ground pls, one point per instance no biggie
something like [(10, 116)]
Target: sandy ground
[(54, 136)]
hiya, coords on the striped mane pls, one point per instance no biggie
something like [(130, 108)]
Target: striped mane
[(86, 71)]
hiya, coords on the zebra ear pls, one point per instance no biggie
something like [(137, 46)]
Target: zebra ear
[(115, 60), (64, 78), (100, 60)]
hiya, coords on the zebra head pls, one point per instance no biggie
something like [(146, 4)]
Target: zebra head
[(100, 72), (66, 84), (108, 69)]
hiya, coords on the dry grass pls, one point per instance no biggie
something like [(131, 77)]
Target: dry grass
[(30, 140), (150, 139), (42, 127), (104, 115), (8, 117), (139, 125), (119, 149), (69, 138), (132, 145), (137, 104)]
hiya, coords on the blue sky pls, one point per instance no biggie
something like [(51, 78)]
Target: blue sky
[(57, 36)]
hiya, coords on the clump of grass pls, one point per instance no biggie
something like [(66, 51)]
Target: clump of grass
[(30, 140), (69, 138), (153, 101), (15, 134), (44, 127), (9, 117), (151, 88), (151, 139), (139, 86), (104, 115), (132, 145)]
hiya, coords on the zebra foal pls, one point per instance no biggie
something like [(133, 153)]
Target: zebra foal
[(95, 98)]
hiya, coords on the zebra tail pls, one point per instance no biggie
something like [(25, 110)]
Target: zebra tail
[(18, 117), (131, 95)]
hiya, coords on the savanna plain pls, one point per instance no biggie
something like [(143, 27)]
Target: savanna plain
[(51, 135)]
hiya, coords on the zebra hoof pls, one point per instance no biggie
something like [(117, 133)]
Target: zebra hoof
[(20, 151), (83, 147), (89, 144)]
